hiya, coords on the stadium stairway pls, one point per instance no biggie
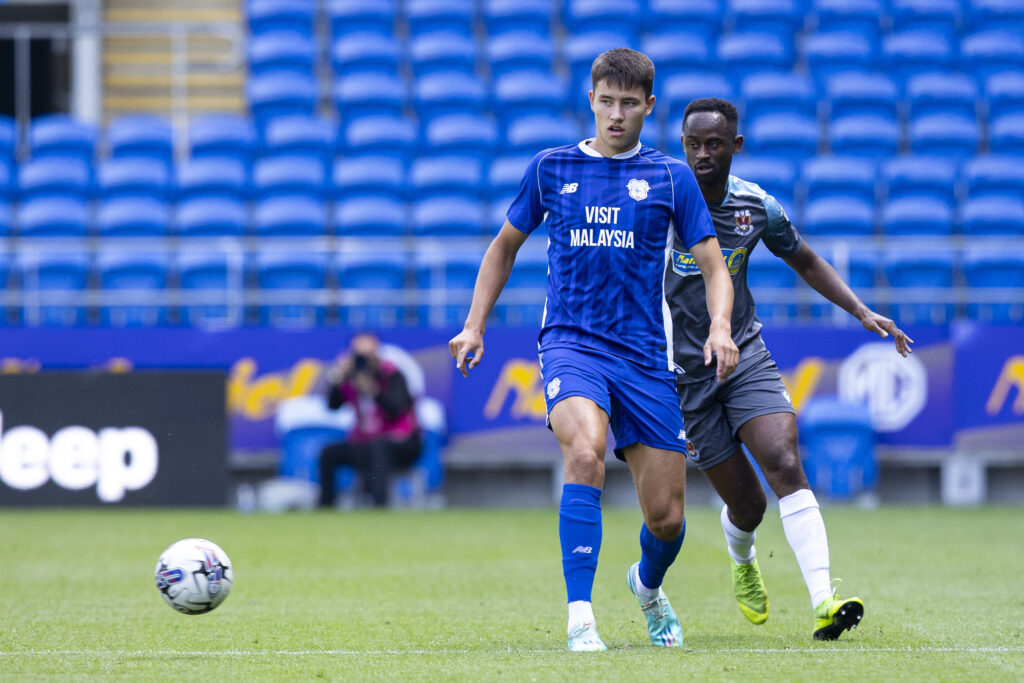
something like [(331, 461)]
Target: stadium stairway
[(139, 67)]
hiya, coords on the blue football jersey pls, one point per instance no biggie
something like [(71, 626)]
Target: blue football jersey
[(611, 225)]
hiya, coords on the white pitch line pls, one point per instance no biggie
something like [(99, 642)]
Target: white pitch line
[(387, 653)]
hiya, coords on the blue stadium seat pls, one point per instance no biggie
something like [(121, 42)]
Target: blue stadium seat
[(365, 51), (6, 260), (52, 283), (1006, 134), (830, 52), (134, 285), (941, 92), (783, 18), (1005, 93), (838, 445), (863, 135), (741, 54), (462, 134), (282, 51), (429, 15), (282, 93), (788, 136), (991, 270), (994, 174), (389, 136), (766, 275), (140, 135), (213, 288), (858, 92), (940, 16), (281, 15), (534, 133), (222, 135), (131, 177), (442, 51), (857, 266), (527, 93), (699, 16), (497, 213), (987, 52), (907, 53), (531, 16), (520, 51), (359, 16), (458, 176), (7, 179), (211, 216), (290, 216), (54, 177), (213, 177), (506, 174), (371, 216), (992, 214), (447, 216), (996, 14), (777, 93), (289, 281), (446, 92), (674, 53), (582, 16), (8, 138), (6, 220), (449, 275), (369, 94), (522, 300), (581, 49), (944, 134), (839, 176), (775, 175), (133, 216), (372, 284), (53, 217), (305, 136), (289, 175), (910, 175), (368, 176), (928, 271), (60, 135), (839, 216), (679, 90), (854, 16), (917, 215)]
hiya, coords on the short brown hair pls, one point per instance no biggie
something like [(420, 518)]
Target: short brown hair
[(624, 68)]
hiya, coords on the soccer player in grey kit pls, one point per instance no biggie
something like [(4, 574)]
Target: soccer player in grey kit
[(752, 406)]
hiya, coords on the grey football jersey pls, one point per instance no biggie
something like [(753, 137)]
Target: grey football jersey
[(746, 215)]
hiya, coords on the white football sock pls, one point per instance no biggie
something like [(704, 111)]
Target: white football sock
[(805, 531), (741, 543), (580, 612), (643, 592)]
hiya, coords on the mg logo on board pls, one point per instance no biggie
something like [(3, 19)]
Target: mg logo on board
[(894, 388)]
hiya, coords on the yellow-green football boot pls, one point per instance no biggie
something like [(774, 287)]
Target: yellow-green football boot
[(751, 595), (834, 615)]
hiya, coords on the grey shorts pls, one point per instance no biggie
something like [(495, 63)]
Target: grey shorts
[(713, 413)]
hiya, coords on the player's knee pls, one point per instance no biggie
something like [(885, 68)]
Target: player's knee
[(666, 525), (784, 471), (584, 466), (747, 513)]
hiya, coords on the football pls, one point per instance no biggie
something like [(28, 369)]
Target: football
[(194, 576)]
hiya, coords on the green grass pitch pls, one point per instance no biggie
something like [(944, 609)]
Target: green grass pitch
[(477, 595)]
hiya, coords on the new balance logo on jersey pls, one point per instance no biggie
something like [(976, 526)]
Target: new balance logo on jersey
[(585, 549), (569, 188)]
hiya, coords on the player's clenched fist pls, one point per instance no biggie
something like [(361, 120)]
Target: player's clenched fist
[(467, 345)]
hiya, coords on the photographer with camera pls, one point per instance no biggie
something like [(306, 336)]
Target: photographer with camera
[(385, 436)]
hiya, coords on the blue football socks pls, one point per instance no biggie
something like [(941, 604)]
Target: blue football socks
[(579, 531), (656, 556)]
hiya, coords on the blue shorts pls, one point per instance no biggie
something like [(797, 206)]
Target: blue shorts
[(641, 403)]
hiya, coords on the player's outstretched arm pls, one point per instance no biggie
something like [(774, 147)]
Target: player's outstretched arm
[(467, 347), (718, 285), (819, 274)]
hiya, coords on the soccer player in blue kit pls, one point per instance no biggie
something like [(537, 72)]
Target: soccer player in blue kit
[(752, 407), (613, 208)]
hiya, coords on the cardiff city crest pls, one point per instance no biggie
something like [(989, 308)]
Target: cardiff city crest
[(638, 189)]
